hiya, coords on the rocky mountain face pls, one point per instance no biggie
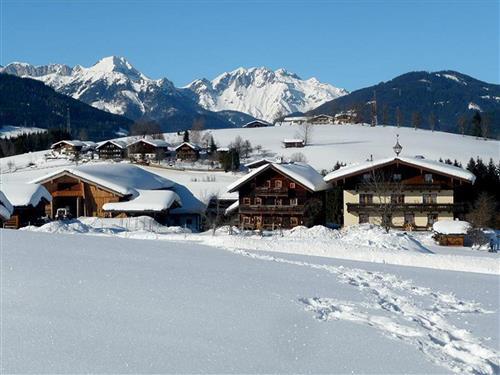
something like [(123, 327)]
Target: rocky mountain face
[(442, 98), (262, 93), (114, 85)]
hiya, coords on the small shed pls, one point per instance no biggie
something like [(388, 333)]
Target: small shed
[(28, 202), (290, 143), (450, 232)]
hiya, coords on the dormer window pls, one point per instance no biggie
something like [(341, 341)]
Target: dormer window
[(428, 178)]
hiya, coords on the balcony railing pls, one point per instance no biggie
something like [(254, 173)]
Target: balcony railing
[(419, 207), (396, 187), (271, 191), (271, 209)]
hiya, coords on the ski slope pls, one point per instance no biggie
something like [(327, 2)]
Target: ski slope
[(74, 303)]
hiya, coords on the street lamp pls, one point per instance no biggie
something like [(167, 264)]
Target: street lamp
[(397, 147)]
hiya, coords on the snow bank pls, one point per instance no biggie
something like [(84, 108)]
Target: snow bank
[(451, 227), (21, 195)]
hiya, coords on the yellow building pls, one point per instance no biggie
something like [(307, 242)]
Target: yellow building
[(409, 193)]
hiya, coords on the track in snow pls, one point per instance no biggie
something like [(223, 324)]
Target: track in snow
[(401, 310)]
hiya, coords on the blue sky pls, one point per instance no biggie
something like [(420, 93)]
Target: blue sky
[(350, 44)]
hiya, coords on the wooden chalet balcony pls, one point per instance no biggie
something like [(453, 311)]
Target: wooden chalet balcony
[(415, 207), (74, 191), (402, 186), (269, 191), (268, 209)]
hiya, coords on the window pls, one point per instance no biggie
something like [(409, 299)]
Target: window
[(431, 219), (278, 184), (294, 202), (279, 202), (364, 218), (430, 198), (367, 177), (396, 177), (365, 198), (397, 198), (428, 178), (410, 218), (246, 219), (246, 200), (292, 185), (258, 201), (294, 221), (268, 183)]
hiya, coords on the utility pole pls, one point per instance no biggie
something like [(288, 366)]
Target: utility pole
[(68, 121), (374, 109)]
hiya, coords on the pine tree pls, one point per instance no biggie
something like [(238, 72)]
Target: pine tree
[(476, 124), (213, 146)]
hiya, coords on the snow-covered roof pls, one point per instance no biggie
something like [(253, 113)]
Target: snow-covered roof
[(223, 149), (190, 204), (451, 227), (147, 200), (6, 208), (21, 195), (233, 207), (302, 173), (124, 179), (152, 142), (189, 144), (258, 162), (117, 143), (75, 143), (430, 165), (264, 123), (293, 140)]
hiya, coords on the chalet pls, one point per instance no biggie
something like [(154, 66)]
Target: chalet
[(347, 117), (114, 150), (296, 120), (147, 150), (257, 124), (322, 120), (405, 192), (258, 163), (86, 189), (450, 233), (280, 195), (291, 143), (187, 151), (6, 208), (72, 147), (28, 202)]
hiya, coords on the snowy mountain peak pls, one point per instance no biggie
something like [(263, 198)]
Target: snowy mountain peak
[(262, 92), (114, 64)]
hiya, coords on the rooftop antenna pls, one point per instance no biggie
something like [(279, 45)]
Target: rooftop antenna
[(397, 147)]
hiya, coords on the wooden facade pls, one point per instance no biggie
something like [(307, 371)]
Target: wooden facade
[(79, 197), (273, 200), (145, 150), (322, 120), (187, 151), (291, 143), (111, 150), (27, 215)]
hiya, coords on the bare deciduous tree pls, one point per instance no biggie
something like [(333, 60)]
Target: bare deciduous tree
[(298, 157), (462, 124), (196, 133), (305, 132)]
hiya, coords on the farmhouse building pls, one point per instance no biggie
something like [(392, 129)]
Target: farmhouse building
[(405, 192), (146, 150), (322, 120), (28, 203), (72, 147), (258, 163), (257, 124), (291, 143), (187, 151), (113, 150), (280, 195)]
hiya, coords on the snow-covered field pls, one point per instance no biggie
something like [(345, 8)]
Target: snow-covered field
[(79, 303), (356, 143)]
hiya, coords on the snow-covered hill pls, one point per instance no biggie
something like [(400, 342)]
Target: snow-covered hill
[(263, 93)]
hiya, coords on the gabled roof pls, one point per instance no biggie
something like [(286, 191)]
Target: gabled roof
[(152, 142), (301, 173), (117, 143), (23, 195), (123, 179), (146, 201), (6, 208), (322, 115), (429, 165), (258, 163), (264, 123), (75, 143), (189, 144)]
